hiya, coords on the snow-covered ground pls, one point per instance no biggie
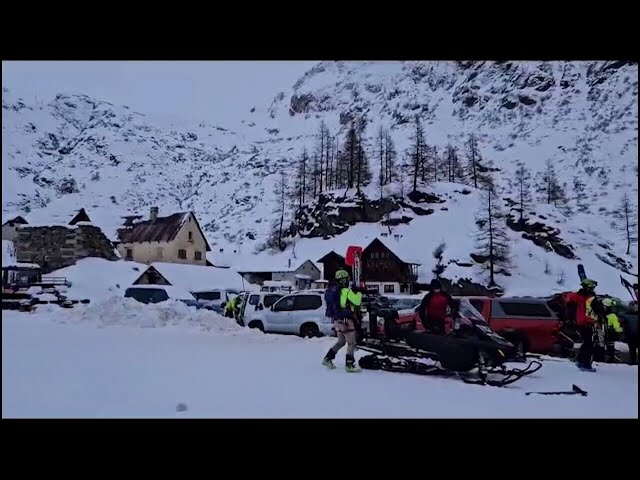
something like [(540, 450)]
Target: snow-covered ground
[(122, 359)]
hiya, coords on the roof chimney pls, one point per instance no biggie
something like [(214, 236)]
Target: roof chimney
[(153, 214)]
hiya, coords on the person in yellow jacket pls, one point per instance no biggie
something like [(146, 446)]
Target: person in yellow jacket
[(343, 303), (231, 307), (612, 325)]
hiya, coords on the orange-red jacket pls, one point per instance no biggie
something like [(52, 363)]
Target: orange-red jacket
[(584, 301)]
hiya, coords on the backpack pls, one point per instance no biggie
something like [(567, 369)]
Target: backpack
[(332, 298)]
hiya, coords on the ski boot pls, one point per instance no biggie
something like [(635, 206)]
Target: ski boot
[(327, 361), (351, 364), (585, 368)]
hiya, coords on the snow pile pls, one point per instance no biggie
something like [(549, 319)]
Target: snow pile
[(120, 311), (99, 279)]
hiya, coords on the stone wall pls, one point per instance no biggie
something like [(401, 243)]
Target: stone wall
[(9, 233), (59, 246)]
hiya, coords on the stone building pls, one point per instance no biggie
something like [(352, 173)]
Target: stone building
[(9, 228), (58, 246)]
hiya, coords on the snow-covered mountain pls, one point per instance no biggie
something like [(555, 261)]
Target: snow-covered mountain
[(583, 116)]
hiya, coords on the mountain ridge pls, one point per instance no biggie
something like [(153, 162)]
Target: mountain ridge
[(79, 151)]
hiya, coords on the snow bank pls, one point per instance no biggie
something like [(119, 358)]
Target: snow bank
[(120, 311), (98, 279)]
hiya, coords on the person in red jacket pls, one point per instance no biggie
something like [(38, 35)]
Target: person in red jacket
[(435, 307), (586, 310)]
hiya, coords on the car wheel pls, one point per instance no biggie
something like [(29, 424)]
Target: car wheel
[(309, 330), (256, 324)]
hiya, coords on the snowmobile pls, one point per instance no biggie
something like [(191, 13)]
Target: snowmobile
[(469, 349)]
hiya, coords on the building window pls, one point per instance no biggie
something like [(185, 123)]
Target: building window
[(190, 236), (389, 289), (159, 252), (182, 254), (197, 255), (129, 254)]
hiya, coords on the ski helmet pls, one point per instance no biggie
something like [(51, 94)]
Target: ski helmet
[(342, 275), (588, 283)]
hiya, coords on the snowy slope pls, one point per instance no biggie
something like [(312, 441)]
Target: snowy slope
[(580, 115), (205, 366)]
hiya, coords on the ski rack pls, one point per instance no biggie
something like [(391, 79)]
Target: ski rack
[(404, 359)]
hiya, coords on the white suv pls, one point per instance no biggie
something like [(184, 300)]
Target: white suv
[(301, 313)]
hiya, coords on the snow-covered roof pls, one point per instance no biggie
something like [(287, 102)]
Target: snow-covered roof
[(196, 278), (98, 278), (399, 248), (267, 264), (18, 265)]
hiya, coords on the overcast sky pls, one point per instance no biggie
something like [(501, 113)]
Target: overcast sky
[(216, 91)]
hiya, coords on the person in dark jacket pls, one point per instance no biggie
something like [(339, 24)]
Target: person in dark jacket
[(435, 307)]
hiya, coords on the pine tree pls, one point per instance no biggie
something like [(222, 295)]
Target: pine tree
[(492, 240), (315, 175), (553, 190), (435, 162), (390, 158), (417, 154), (361, 167), (300, 182), (452, 165), (328, 157), (323, 158), (381, 154), (579, 195), (278, 228), (523, 184), (629, 223), (473, 156)]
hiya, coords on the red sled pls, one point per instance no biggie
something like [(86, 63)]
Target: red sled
[(350, 257)]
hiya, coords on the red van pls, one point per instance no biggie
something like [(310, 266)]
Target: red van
[(526, 322)]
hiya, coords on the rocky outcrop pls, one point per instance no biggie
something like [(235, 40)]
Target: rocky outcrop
[(467, 288), (55, 247), (542, 235), (331, 215)]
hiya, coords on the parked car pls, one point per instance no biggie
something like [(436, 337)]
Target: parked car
[(159, 293), (300, 313), (257, 302), (215, 299), (528, 323)]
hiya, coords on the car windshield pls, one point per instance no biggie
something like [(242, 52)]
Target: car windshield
[(467, 310), (404, 303)]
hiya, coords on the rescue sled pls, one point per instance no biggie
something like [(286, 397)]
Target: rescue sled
[(469, 350)]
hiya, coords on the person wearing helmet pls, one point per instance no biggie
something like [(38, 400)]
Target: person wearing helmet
[(613, 326), (435, 307), (586, 316), (342, 304)]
